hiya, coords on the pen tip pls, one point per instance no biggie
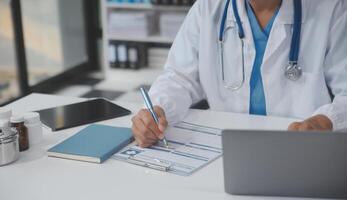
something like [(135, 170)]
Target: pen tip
[(166, 144)]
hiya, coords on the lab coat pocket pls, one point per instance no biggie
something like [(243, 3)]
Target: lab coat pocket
[(307, 78), (309, 85)]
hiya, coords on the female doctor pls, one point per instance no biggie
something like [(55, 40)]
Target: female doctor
[(264, 57)]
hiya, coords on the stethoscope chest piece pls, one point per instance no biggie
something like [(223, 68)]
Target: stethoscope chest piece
[(293, 72)]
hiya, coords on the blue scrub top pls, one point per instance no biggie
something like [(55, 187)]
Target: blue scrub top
[(257, 105)]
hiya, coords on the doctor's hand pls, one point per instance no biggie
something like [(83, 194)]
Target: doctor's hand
[(315, 123), (146, 132)]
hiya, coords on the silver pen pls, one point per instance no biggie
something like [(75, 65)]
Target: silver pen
[(149, 106)]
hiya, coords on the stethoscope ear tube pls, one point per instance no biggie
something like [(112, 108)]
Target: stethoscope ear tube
[(223, 21), (294, 72), (236, 86), (241, 33), (238, 20), (295, 45)]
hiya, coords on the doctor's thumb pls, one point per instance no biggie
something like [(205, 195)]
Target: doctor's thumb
[(162, 124), (162, 119)]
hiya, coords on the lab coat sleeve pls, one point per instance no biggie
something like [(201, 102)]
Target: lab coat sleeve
[(179, 86), (336, 72)]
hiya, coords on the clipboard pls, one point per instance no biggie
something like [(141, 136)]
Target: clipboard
[(192, 147)]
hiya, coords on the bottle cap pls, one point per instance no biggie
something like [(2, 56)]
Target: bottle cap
[(17, 119), (5, 113), (32, 117)]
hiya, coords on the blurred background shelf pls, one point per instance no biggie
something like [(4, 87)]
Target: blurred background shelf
[(144, 6), (148, 28), (150, 39)]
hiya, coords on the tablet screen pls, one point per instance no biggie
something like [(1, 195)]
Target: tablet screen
[(87, 112)]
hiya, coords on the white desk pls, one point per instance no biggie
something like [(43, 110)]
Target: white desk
[(36, 176)]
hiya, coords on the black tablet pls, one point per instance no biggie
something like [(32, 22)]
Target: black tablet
[(86, 112)]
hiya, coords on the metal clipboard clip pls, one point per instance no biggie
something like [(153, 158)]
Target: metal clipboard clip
[(150, 163)]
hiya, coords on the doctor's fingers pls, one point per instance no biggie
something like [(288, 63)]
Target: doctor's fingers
[(142, 130), (149, 122), (159, 111), (301, 126), (141, 140), (143, 136), (306, 126), (294, 126), (162, 118)]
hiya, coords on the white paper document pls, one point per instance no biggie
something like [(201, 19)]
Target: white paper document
[(191, 147)]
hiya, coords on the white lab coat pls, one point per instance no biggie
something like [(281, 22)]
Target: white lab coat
[(193, 69)]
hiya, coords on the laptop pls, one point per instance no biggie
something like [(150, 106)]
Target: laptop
[(291, 164)]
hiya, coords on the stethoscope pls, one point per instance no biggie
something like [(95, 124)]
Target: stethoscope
[(292, 71)]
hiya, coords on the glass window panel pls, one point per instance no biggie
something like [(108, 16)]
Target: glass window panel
[(9, 88), (55, 38)]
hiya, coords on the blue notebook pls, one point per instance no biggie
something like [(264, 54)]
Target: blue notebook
[(96, 143)]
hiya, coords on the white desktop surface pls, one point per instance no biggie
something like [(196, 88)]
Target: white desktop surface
[(35, 176)]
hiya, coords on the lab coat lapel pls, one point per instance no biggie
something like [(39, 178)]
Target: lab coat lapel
[(282, 29), (278, 32), (244, 19), (278, 35)]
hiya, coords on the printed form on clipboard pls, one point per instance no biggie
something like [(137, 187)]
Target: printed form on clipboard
[(191, 147)]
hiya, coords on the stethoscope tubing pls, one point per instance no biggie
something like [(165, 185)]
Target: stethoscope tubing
[(294, 47)]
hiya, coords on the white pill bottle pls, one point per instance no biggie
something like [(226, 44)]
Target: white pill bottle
[(34, 126), (5, 115)]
